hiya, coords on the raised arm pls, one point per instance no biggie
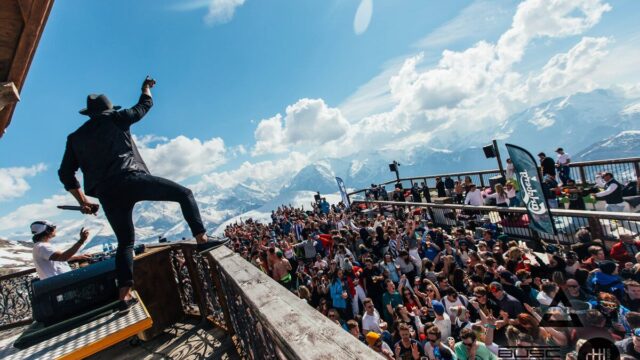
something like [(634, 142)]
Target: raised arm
[(138, 111)]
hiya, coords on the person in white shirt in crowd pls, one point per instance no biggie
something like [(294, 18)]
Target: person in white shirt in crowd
[(511, 169), (48, 260), (500, 195), (562, 163), (371, 318), (612, 193), (474, 196)]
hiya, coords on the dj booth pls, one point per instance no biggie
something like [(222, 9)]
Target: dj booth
[(76, 314)]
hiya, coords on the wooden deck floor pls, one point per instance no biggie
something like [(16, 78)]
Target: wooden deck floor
[(186, 340), (189, 339)]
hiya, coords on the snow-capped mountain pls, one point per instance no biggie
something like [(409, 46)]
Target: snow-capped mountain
[(573, 122), (14, 256), (318, 176), (622, 145)]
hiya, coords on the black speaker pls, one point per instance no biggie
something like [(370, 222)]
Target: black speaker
[(489, 151), (316, 197), (496, 180), (393, 167)]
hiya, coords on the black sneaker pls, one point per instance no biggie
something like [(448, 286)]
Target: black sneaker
[(125, 306), (212, 243)]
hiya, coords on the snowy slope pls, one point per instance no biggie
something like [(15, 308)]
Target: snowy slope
[(622, 145)]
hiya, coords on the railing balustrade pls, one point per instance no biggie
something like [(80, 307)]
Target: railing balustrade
[(583, 172), (514, 220)]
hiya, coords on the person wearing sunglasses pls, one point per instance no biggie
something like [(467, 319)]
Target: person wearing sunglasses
[(434, 348), (574, 292), (468, 348), (630, 345)]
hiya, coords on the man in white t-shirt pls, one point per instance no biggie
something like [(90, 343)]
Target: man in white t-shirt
[(46, 258), (562, 163), (371, 318), (474, 196)]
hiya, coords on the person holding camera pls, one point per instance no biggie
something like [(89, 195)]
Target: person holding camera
[(48, 260), (114, 172)]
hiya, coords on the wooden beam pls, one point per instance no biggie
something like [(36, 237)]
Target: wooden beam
[(25, 8), (25, 51), (8, 94)]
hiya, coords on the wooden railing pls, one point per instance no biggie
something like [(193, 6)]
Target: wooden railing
[(583, 172)]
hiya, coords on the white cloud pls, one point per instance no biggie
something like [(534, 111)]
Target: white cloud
[(218, 11), (569, 71), (182, 157), (477, 21), (363, 16), (469, 92), (13, 183), (270, 174), (222, 11), (26, 214), (307, 122)]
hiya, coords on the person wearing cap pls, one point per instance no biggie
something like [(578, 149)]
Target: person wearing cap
[(562, 163), (506, 302), (547, 165), (612, 193), (114, 172), (624, 251), (374, 340), (442, 319), (48, 260)]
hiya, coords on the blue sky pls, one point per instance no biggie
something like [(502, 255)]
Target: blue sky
[(250, 90)]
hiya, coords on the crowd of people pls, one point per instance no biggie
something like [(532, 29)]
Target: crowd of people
[(557, 185), (410, 290)]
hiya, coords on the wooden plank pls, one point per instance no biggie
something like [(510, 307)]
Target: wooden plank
[(25, 8), (8, 94), (300, 331), (155, 282), (24, 53)]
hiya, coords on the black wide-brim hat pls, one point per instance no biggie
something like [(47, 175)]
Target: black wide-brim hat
[(98, 104)]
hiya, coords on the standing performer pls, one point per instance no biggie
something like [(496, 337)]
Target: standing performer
[(115, 173)]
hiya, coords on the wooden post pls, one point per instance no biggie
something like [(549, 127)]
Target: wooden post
[(196, 282), (222, 297), (8, 94), (583, 178)]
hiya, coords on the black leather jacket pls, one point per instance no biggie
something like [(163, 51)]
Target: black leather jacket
[(103, 149)]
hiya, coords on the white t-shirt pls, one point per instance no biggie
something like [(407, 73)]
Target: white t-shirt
[(371, 322), (562, 159), (445, 327), (46, 268)]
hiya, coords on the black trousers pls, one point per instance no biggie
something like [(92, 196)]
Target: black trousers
[(118, 198)]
